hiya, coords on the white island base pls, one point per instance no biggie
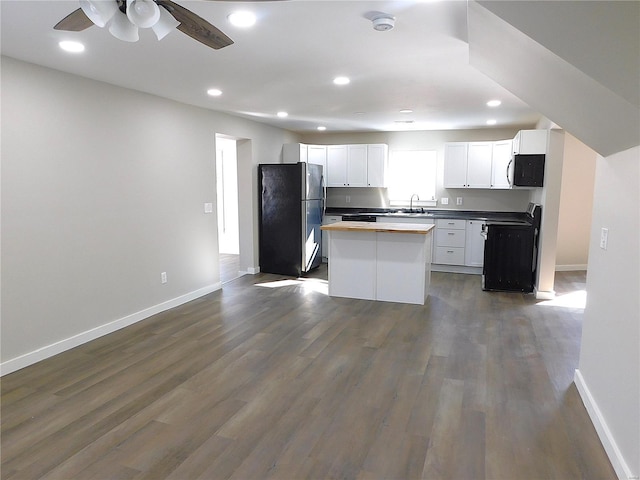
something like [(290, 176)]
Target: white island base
[(380, 261)]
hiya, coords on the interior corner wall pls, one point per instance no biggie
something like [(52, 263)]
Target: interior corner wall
[(576, 205), (609, 366), (102, 190)]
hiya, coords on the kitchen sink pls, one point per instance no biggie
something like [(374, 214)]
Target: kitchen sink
[(409, 214)]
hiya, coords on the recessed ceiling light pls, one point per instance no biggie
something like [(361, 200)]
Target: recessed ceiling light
[(341, 80), (214, 92), (406, 110), (282, 114), (494, 103), (242, 19), (321, 128), (73, 47), (491, 122)]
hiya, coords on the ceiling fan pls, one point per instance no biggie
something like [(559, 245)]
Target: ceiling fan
[(124, 17)]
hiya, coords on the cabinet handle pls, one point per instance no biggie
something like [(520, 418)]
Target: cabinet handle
[(449, 251), (450, 233)]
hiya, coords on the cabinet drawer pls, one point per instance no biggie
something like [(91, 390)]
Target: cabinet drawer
[(450, 238), (451, 224), (449, 256)]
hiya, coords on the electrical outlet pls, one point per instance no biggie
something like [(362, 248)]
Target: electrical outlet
[(458, 200), (444, 201), (347, 198), (604, 238), (163, 277)]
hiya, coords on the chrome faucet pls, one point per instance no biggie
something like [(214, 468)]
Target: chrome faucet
[(411, 201)]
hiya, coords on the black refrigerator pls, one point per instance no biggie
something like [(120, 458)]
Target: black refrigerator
[(290, 215)]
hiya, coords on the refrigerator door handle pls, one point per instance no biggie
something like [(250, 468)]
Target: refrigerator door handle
[(324, 196)]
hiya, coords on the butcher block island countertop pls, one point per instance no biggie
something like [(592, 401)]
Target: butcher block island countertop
[(419, 228), (389, 262)]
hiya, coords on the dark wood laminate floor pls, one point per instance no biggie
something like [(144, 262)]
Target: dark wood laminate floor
[(272, 379)]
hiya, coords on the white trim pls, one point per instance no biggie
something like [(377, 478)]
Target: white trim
[(68, 343), (253, 270), (606, 437), (441, 267), (544, 294), (570, 268)]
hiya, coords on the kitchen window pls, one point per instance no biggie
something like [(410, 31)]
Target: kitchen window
[(412, 171)]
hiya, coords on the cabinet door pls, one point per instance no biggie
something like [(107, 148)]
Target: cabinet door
[(479, 164), (294, 152), (317, 154), (326, 220), (532, 142), (356, 165), (376, 165), (474, 244), (500, 163), (455, 165), (337, 166)]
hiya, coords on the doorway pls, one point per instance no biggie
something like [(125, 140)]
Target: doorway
[(227, 203)]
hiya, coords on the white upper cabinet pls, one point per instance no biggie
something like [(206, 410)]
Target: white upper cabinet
[(317, 154), (455, 165), (500, 164), (336, 166), (299, 152), (530, 142), (356, 165), (479, 164), (377, 155), (294, 152)]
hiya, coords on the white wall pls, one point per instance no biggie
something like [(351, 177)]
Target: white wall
[(576, 205), (609, 367), (102, 189), (473, 199)]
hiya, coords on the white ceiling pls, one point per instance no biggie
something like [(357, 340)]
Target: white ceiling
[(287, 62)]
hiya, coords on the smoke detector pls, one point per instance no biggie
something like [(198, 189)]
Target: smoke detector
[(383, 22)]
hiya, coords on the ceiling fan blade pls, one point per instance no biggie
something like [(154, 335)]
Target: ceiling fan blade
[(196, 27), (76, 21)]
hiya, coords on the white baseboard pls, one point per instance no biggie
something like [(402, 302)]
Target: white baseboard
[(544, 294), (253, 270), (570, 268), (608, 442), (68, 343)]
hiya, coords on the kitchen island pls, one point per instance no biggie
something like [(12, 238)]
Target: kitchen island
[(380, 261)]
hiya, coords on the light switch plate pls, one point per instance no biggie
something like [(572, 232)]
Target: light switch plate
[(604, 238), (208, 208)]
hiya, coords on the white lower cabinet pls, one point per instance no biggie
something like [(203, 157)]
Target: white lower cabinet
[(474, 244), (450, 241), (326, 220)]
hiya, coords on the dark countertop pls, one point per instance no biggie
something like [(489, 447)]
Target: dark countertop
[(383, 213)]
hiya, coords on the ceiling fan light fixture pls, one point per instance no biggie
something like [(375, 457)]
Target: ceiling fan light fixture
[(121, 28), (143, 13), (165, 25), (99, 11)]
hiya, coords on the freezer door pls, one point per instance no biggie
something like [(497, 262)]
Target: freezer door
[(313, 185), (311, 222)]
